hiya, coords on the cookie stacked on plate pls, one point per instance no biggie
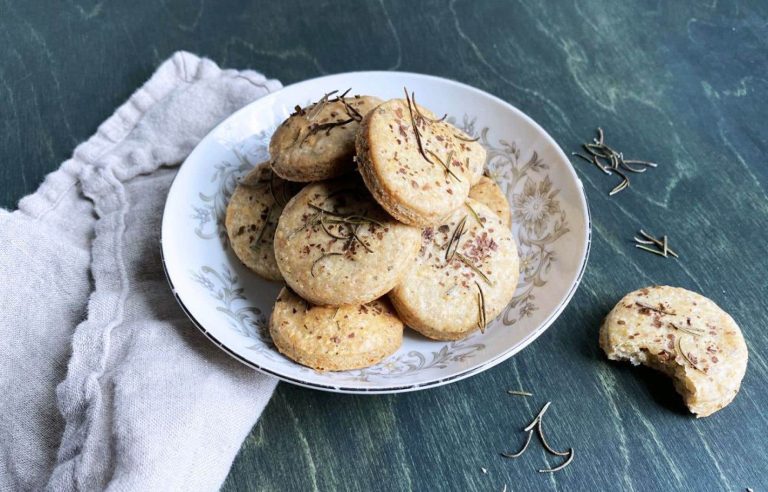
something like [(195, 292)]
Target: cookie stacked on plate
[(418, 236)]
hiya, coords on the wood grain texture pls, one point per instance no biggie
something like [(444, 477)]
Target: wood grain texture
[(683, 83)]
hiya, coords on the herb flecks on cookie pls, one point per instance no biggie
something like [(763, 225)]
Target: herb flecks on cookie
[(464, 276), (318, 142), (335, 245), (415, 164), (251, 219), (334, 339), (684, 335)]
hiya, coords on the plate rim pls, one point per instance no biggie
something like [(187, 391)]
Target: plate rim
[(390, 389)]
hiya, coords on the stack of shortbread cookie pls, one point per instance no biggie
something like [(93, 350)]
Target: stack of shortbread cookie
[(418, 236)]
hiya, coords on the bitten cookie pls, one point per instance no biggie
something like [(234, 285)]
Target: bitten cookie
[(251, 219), (465, 275), (334, 245), (684, 335), (334, 339), (418, 168), (318, 142), (487, 192)]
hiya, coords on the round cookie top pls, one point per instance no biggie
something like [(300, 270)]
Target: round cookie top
[(465, 275), (335, 245), (417, 167), (489, 193), (683, 334), (251, 219), (318, 142), (334, 339)]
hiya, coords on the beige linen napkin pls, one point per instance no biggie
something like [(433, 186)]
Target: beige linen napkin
[(105, 383)]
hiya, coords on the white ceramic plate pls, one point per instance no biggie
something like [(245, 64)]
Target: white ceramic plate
[(231, 305)]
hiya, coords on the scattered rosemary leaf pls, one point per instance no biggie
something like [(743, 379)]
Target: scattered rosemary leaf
[(610, 161), (650, 250), (519, 393), (560, 467), (649, 240), (538, 417), (522, 450), (540, 432), (536, 424)]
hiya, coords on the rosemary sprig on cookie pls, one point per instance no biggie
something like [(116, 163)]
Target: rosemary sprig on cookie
[(321, 258), (453, 242), (659, 309), (421, 115), (325, 219), (315, 109), (416, 117), (445, 166), (685, 356), (481, 318), (474, 268), (696, 332), (474, 214), (451, 249), (464, 139), (414, 124)]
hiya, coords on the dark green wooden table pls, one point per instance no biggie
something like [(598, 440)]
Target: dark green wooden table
[(683, 83)]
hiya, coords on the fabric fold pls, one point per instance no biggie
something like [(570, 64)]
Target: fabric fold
[(146, 403)]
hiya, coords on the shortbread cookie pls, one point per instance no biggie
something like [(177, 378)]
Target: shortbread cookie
[(487, 192), (334, 339), (318, 142), (334, 245), (684, 335), (464, 276), (418, 168), (252, 214)]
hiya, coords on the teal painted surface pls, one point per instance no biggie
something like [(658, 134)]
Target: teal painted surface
[(683, 83)]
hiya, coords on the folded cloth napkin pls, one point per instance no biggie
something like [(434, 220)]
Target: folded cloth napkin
[(105, 384)]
